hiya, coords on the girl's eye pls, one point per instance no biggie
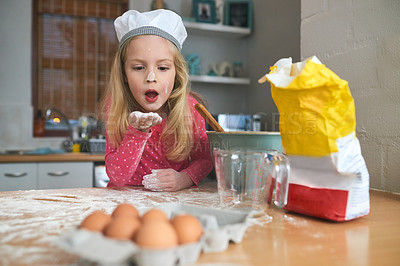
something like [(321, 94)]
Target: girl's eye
[(138, 68), (163, 68)]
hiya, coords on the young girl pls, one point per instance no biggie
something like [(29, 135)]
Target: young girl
[(155, 137)]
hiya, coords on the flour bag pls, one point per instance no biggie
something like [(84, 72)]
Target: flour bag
[(329, 178)]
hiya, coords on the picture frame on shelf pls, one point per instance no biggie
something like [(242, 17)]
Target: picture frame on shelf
[(239, 13), (219, 7), (205, 11)]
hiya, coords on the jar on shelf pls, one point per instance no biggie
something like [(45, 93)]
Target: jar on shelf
[(237, 69), (256, 123)]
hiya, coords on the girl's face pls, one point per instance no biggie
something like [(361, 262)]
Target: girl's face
[(150, 71)]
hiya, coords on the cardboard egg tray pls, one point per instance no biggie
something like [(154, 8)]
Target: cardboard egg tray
[(220, 227)]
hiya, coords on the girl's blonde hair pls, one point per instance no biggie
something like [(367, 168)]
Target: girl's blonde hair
[(119, 102)]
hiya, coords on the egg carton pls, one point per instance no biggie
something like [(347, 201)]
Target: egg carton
[(220, 227)]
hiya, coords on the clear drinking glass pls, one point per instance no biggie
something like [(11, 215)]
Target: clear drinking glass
[(249, 179)]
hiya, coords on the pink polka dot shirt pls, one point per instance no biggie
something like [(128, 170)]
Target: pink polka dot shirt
[(140, 152)]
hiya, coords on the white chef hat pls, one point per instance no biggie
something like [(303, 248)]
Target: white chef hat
[(160, 22)]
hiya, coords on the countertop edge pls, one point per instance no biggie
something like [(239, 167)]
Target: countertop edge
[(62, 157)]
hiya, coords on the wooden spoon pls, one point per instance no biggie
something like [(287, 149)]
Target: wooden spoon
[(208, 117), (159, 4)]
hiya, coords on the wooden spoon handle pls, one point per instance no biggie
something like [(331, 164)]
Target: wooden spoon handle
[(208, 117), (159, 4)]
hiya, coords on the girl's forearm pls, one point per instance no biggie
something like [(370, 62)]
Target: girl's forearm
[(199, 169), (121, 162)]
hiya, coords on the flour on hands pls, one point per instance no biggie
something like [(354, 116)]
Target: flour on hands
[(144, 121), (166, 180)]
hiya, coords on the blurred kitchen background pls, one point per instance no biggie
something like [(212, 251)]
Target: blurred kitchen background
[(359, 40)]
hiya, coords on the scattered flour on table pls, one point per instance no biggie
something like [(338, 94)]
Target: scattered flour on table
[(259, 219), (296, 221), (31, 220)]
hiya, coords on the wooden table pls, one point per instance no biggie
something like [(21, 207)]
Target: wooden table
[(30, 221)]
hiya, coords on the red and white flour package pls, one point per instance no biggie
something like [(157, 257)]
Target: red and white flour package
[(328, 178), (339, 192)]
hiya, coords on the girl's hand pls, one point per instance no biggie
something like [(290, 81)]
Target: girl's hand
[(166, 180), (144, 121)]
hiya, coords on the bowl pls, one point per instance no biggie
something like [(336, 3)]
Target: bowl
[(245, 139)]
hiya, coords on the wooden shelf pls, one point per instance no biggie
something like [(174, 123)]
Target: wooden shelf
[(216, 30), (223, 80)]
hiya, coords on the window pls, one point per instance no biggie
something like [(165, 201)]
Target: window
[(73, 47)]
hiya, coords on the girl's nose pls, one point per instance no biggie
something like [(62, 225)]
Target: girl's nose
[(151, 77)]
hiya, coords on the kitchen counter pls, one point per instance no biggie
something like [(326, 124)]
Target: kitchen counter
[(57, 157), (30, 221)]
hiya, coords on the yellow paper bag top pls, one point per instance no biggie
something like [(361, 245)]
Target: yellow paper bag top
[(315, 106)]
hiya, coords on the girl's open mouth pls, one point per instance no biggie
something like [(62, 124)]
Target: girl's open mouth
[(151, 96)]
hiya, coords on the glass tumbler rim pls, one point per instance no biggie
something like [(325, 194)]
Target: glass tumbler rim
[(245, 151)]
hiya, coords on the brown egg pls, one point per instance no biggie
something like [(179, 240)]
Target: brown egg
[(125, 209), (188, 228), (156, 234), (122, 228), (154, 214), (96, 221)]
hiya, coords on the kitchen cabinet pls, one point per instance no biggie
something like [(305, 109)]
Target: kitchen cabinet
[(46, 175), (18, 176), (209, 35), (65, 175)]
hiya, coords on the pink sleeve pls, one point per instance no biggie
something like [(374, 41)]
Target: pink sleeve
[(121, 162), (201, 162)]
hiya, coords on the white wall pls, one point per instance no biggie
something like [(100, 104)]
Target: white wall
[(360, 41), (15, 73), (276, 34)]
